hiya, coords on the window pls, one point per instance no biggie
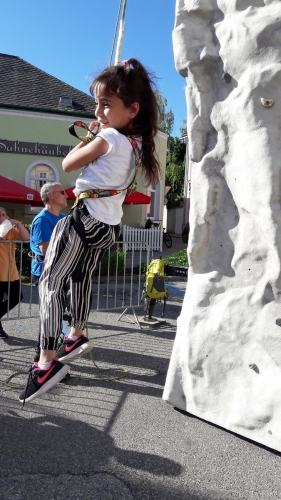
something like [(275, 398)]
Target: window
[(40, 174), (37, 174), (66, 100)]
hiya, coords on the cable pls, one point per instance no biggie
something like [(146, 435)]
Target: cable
[(124, 371)]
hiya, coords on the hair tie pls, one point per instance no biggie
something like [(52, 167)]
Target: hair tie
[(125, 63)]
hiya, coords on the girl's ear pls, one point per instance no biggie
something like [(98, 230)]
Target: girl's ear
[(134, 107)]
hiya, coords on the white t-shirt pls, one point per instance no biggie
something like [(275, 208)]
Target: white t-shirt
[(113, 170)]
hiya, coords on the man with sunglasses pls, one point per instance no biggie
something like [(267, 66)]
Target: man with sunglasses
[(55, 199)]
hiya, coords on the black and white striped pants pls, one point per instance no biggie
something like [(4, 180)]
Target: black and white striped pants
[(76, 247)]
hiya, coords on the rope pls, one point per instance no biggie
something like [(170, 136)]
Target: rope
[(124, 374)]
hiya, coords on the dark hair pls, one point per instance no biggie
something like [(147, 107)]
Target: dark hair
[(131, 82)]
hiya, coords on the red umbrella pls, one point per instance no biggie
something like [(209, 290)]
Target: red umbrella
[(13, 192), (70, 194), (137, 198)]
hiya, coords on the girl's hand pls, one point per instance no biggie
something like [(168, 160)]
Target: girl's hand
[(93, 126), (81, 145)]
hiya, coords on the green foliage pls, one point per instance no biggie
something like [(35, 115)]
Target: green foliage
[(175, 171), (143, 267), (183, 128), (117, 260), (26, 261), (176, 152), (177, 259), (166, 118)]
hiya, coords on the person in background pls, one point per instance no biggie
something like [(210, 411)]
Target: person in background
[(9, 276), (54, 198)]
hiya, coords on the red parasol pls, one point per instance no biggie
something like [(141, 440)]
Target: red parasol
[(13, 192), (137, 198), (70, 194)]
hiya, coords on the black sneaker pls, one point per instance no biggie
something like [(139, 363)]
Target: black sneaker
[(40, 381), (3, 335), (73, 349)]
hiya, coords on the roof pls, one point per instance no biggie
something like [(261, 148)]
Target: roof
[(25, 86)]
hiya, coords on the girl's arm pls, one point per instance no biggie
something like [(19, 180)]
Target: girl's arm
[(83, 154), (24, 234), (81, 144)]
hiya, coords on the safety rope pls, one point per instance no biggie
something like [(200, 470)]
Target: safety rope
[(124, 371)]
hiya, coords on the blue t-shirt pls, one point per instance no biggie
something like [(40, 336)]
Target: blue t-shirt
[(41, 230)]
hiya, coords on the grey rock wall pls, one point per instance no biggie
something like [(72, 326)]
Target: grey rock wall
[(226, 361)]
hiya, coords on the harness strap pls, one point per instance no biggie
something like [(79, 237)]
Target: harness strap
[(103, 193)]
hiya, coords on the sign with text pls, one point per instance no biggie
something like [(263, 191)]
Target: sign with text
[(33, 148)]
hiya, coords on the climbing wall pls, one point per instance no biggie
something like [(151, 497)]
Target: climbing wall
[(226, 361)]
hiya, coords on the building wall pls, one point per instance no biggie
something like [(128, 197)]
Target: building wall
[(40, 128), (44, 128)]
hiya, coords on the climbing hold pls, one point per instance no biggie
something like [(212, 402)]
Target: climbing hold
[(254, 367), (226, 77), (267, 103)]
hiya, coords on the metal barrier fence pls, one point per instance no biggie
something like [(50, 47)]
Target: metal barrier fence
[(117, 284)]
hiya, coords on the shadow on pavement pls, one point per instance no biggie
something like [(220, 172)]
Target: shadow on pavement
[(51, 446)]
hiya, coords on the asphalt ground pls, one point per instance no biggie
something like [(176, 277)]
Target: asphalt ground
[(109, 438)]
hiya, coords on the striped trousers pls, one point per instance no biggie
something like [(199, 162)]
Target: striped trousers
[(76, 247)]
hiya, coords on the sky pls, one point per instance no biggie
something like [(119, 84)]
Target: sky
[(72, 40)]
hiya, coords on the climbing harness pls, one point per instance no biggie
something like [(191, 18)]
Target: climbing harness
[(102, 193), (83, 138)]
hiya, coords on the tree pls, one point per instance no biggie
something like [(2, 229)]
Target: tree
[(175, 171), (166, 117), (176, 151), (183, 128)]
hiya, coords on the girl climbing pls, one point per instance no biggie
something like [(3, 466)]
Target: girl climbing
[(127, 115)]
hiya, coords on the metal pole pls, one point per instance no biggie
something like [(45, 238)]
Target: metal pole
[(115, 32), (121, 34)]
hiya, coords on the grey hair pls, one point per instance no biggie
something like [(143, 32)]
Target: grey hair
[(47, 188)]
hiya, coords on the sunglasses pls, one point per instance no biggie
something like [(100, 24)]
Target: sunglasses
[(80, 130), (61, 192)]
